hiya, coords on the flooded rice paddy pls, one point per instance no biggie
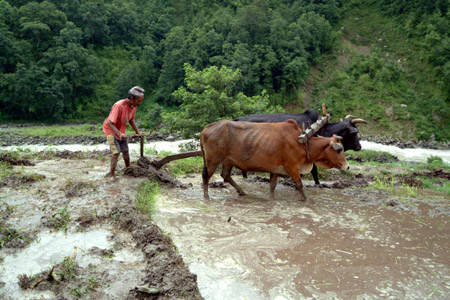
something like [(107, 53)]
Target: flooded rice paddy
[(351, 242), (348, 244)]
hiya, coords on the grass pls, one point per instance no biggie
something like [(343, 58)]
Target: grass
[(181, 166), (146, 197), (68, 268), (60, 219), (57, 130), (436, 185), (186, 166), (5, 169), (8, 234), (387, 184)]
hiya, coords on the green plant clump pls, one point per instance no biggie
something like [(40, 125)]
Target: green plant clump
[(146, 197), (60, 219)]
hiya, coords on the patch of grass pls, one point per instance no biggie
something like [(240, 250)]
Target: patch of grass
[(60, 219), (5, 169), (8, 234), (387, 184), (57, 130), (186, 166), (436, 185), (68, 268), (88, 285), (146, 197), (370, 156)]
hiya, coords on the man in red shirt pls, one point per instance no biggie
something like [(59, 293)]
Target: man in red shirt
[(122, 112)]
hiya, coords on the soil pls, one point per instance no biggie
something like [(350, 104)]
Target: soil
[(61, 194), (71, 194)]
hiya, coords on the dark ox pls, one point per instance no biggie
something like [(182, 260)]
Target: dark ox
[(265, 147), (346, 129)]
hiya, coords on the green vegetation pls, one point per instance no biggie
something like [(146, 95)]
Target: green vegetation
[(436, 185), (5, 169), (371, 156), (58, 130), (211, 95), (381, 69), (67, 270), (186, 166), (86, 287), (388, 184), (8, 234), (382, 60), (146, 197), (60, 219)]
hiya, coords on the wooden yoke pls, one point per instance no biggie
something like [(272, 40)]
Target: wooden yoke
[(314, 128)]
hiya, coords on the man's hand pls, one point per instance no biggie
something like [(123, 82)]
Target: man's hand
[(122, 136)]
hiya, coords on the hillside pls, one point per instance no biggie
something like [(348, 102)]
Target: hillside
[(384, 61), (377, 72)]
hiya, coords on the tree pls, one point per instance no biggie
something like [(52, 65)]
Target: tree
[(210, 96), (172, 74)]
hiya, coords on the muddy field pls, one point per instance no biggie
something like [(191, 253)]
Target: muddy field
[(71, 233)]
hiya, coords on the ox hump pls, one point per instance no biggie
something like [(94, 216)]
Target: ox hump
[(292, 123)]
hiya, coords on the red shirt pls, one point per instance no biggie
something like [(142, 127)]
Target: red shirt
[(120, 115)]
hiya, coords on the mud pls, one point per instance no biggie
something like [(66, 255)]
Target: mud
[(349, 241), (75, 208), (346, 243)]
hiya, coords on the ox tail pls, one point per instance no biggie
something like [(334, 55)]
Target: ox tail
[(205, 170), (205, 174)]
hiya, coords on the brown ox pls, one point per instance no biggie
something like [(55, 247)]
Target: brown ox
[(265, 147)]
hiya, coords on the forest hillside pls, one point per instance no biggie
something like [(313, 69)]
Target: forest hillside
[(385, 61)]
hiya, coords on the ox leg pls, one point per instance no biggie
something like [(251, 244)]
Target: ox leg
[(273, 184), (295, 174), (226, 175), (208, 172), (315, 175)]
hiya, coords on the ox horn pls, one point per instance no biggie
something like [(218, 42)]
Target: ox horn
[(337, 147), (356, 121), (349, 117), (338, 137)]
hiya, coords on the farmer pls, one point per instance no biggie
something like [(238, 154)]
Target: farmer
[(122, 112)]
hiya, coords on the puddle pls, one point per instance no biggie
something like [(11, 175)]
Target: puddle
[(335, 248), (51, 248), (48, 250)]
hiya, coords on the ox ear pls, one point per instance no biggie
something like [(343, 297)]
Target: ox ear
[(338, 137), (352, 130), (338, 147)]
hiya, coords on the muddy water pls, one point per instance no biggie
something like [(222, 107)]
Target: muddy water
[(34, 206), (345, 245)]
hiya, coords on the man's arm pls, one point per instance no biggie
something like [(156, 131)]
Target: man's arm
[(116, 131), (134, 126)]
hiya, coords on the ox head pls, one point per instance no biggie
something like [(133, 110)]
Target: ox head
[(334, 156), (347, 130)]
